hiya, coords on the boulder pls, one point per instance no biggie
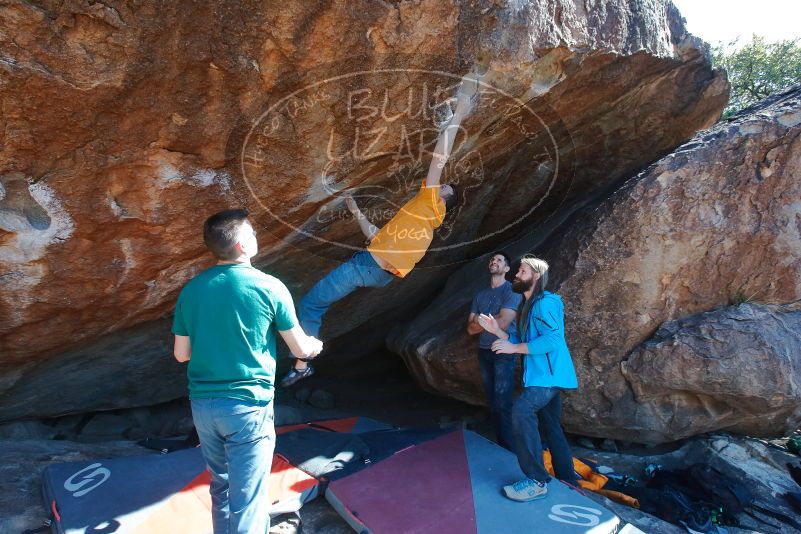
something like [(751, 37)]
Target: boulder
[(735, 368), (131, 367), (715, 223), (126, 125), (102, 426), (22, 430)]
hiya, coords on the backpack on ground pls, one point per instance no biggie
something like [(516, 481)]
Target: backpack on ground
[(674, 506), (707, 484), (724, 495)]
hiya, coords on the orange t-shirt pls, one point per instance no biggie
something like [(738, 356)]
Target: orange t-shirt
[(404, 240)]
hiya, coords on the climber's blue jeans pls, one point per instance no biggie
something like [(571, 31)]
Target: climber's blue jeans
[(538, 410), (237, 439), (359, 271)]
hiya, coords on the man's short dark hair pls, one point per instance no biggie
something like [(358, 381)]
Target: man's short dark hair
[(452, 199), (505, 257), (221, 233)]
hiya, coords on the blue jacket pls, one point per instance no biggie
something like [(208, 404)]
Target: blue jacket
[(548, 363)]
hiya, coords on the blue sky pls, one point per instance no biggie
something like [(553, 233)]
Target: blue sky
[(724, 20)]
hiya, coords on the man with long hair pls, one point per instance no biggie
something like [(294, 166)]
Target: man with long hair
[(539, 335)]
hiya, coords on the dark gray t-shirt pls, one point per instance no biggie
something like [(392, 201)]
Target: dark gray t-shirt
[(491, 301)]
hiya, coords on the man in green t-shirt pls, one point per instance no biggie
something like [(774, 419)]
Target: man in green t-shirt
[(225, 326)]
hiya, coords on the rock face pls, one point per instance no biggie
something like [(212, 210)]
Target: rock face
[(736, 368), (125, 126), (717, 222)]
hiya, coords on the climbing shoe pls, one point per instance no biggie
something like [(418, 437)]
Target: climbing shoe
[(294, 376)]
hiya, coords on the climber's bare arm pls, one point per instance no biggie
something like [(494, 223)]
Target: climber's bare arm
[(446, 138), (368, 229)]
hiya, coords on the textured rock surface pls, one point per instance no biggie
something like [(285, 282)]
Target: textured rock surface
[(123, 128), (736, 368), (122, 369), (716, 222)]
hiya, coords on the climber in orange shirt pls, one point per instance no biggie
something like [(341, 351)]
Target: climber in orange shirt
[(395, 249)]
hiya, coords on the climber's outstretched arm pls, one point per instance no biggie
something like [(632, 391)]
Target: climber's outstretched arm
[(448, 135), (368, 229)]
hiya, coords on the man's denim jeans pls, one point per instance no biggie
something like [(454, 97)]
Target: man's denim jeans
[(498, 376), (359, 271), (237, 439), (539, 410)]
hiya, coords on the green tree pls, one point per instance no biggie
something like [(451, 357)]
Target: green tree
[(758, 69)]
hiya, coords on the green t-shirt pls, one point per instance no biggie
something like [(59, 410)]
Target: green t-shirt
[(231, 314)]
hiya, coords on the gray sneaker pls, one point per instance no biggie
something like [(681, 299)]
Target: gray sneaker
[(294, 376), (527, 489)]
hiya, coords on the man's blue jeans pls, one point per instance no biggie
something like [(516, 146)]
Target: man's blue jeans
[(237, 439), (539, 410), (359, 271), (498, 376)]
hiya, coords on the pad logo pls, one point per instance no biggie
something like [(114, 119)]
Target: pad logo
[(97, 476), (575, 515)]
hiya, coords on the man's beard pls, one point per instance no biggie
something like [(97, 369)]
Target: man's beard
[(521, 286)]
